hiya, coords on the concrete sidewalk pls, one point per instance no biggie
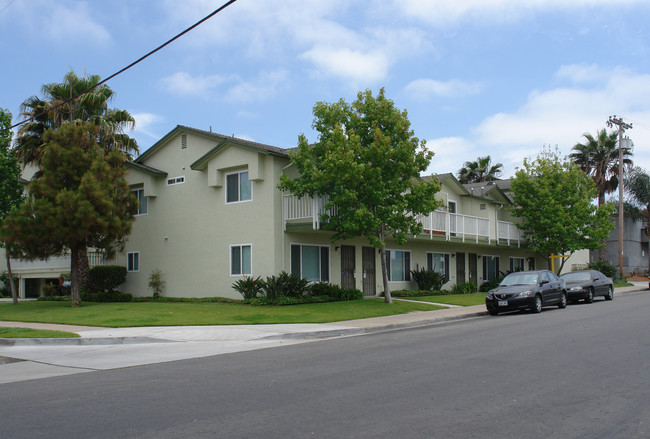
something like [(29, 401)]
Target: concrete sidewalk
[(111, 348)]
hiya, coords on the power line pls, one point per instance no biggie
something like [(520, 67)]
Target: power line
[(206, 18)]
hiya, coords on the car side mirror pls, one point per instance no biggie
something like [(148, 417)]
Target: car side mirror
[(543, 282)]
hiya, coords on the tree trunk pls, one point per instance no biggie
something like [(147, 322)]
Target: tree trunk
[(75, 298), (384, 271), (12, 285), (83, 266)]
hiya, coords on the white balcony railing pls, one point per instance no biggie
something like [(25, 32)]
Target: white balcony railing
[(54, 265), (305, 208), (440, 223), (509, 232)]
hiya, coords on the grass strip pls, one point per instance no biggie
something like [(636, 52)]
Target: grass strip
[(454, 299), (34, 333), (133, 314)]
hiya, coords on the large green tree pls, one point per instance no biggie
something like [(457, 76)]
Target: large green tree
[(11, 190), (480, 170), (80, 198), (552, 196), (367, 163), (50, 112)]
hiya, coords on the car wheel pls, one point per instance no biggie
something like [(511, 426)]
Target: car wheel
[(610, 294), (493, 312), (562, 303), (590, 295), (537, 308)]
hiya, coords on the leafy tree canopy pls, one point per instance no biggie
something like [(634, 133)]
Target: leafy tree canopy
[(81, 197), (367, 163), (552, 196)]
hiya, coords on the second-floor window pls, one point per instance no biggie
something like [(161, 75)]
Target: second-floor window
[(238, 187), (398, 265), (142, 201)]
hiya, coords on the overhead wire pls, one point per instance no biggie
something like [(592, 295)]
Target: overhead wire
[(206, 18)]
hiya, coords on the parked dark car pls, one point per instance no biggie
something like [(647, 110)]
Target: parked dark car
[(587, 284), (527, 290)]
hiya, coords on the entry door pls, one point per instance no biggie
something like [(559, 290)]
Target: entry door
[(368, 263), (473, 267), (460, 268), (347, 267)]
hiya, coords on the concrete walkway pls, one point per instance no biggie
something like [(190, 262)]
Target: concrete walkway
[(111, 348)]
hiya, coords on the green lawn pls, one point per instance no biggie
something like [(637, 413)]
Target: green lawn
[(181, 314), (454, 299), (34, 333)]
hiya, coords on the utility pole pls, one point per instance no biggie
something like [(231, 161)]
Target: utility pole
[(622, 126)]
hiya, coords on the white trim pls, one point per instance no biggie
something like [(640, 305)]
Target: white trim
[(173, 181), (127, 262), (239, 200), (242, 274)]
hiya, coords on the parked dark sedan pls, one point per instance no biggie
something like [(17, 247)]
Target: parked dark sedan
[(527, 290), (587, 284)]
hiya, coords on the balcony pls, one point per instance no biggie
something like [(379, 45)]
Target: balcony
[(54, 266), (454, 225), (438, 224)]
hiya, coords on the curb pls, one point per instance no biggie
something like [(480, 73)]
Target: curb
[(79, 341)]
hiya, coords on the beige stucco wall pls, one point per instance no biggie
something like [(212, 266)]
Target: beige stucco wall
[(189, 228)]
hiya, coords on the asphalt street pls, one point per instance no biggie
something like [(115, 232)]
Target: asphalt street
[(582, 372)]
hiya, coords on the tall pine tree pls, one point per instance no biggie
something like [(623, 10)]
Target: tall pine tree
[(80, 197)]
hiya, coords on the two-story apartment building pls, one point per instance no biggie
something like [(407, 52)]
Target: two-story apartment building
[(211, 213)]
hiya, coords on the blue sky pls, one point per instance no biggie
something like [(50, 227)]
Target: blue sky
[(478, 77)]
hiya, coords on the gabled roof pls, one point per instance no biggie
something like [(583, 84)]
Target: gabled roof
[(483, 188), (146, 169), (220, 140), (449, 178)]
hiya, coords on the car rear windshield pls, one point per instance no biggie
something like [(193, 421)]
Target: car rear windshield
[(576, 277), (519, 279)]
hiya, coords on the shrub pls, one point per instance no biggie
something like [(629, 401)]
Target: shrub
[(105, 296), (490, 284), (464, 288), (249, 287), (604, 267), (292, 285), (105, 278), (156, 283), (428, 279), (5, 289)]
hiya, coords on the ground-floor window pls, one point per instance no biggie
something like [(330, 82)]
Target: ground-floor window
[(133, 261), (398, 265), (240, 260), (438, 262), (516, 264), (311, 262), (490, 267)]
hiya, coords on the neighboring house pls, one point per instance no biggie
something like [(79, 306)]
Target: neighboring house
[(211, 213), (635, 246)]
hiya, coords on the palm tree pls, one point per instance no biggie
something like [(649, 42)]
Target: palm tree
[(47, 113), (90, 107), (479, 171), (598, 157)]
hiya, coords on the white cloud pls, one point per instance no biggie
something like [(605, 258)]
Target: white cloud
[(184, 84), (425, 88), (265, 87), (446, 12), (144, 123), (356, 66), (556, 117)]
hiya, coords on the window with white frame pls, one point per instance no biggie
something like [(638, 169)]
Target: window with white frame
[(241, 260), (490, 267), (516, 264), (133, 261), (238, 187), (398, 265), (176, 180), (311, 262), (142, 201), (438, 262)]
